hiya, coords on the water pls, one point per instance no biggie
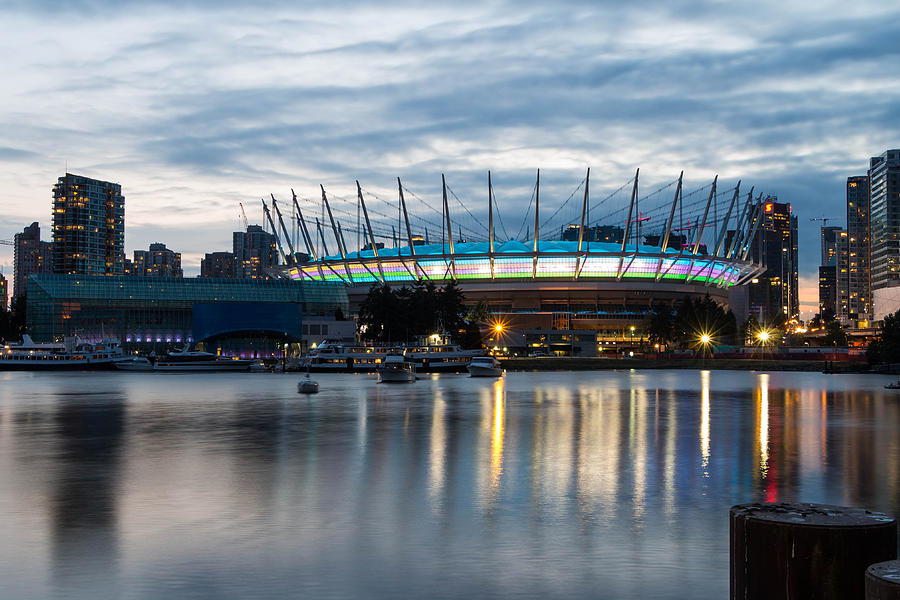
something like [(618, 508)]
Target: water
[(540, 485)]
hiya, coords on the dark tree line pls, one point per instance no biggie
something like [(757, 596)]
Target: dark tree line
[(400, 315), (12, 321), (887, 348), (682, 325)]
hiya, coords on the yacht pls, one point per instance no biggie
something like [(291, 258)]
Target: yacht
[(197, 360), (135, 363), (71, 354), (307, 386), (485, 366), (428, 357), (396, 369)]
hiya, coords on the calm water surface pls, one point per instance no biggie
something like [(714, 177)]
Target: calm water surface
[(539, 485)]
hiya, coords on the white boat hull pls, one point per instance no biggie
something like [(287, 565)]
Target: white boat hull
[(224, 365), (485, 371), (134, 365), (396, 376)]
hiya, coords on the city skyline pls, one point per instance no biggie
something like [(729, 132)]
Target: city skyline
[(192, 120)]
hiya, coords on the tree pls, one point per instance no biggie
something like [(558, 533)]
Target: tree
[(834, 334), (660, 324), (703, 316), (886, 349)]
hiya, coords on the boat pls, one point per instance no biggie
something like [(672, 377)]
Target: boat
[(430, 356), (71, 354), (893, 386), (135, 363), (396, 369), (485, 366), (198, 360), (307, 386)]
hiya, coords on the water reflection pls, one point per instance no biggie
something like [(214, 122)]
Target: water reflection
[(236, 487), (704, 422)]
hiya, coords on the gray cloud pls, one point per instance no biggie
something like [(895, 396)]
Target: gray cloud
[(197, 106)]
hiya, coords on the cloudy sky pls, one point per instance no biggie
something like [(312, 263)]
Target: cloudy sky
[(196, 106)]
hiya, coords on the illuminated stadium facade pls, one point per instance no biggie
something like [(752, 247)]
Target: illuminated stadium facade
[(538, 283)]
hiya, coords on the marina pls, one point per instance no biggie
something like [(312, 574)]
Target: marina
[(122, 485)]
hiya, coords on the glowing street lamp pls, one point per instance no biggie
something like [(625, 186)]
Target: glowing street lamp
[(498, 328), (705, 339), (763, 336)]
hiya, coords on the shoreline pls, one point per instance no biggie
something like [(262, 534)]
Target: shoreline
[(730, 364)]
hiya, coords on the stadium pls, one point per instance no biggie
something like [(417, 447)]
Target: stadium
[(584, 277)]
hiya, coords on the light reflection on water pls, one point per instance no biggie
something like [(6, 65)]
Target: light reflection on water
[(608, 484)]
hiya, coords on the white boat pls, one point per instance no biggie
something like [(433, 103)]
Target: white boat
[(307, 386), (72, 354), (335, 356), (485, 366), (197, 360), (135, 363), (396, 369)]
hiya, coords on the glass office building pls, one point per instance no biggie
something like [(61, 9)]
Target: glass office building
[(236, 316)]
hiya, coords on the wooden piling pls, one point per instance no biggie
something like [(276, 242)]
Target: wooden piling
[(883, 581), (797, 550)]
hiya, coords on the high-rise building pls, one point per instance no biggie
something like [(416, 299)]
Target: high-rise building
[(842, 302), (829, 245), (255, 250), (30, 256), (775, 291), (828, 291), (217, 264), (828, 271), (884, 200), (88, 226), (859, 295), (4, 292), (158, 261)]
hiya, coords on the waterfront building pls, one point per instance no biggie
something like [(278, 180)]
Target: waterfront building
[(231, 315), (255, 253), (88, 226), (158, 261), (884, 200), (589, 295), (219, 265), (30, 256), (774, 292)]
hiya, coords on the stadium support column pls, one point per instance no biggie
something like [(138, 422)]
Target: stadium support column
[(712, 195), (737, 230), (579, 260), (274, 231), (634, 191), (337, 236), (369, 230), (665, 241), (491, 225), (721, 241), (447, 224), (284, 230), (537, 205), (304, 231), (412, 249)]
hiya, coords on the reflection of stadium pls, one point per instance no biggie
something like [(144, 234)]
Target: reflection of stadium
[(598, 278)]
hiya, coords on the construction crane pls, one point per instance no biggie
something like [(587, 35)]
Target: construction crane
[(823, 219), (7, 243)]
